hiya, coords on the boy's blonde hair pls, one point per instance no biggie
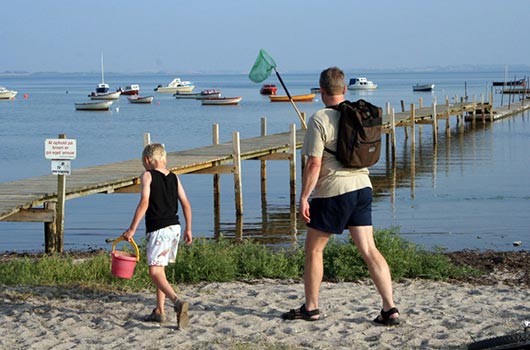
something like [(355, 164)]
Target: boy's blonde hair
[(154, 152)]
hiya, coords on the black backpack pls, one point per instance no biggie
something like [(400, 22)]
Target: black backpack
[(359, 137)]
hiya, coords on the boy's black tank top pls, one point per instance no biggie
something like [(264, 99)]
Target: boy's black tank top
[(163, 201)]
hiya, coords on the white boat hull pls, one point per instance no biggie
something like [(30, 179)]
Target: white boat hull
[(93, 106), (173, 89), (221, 101), (105, 96), (7, 94), (146, 99)]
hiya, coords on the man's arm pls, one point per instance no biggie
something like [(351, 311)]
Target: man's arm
[(309, 181)]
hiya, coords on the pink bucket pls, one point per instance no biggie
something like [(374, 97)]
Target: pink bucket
[(123, 263)]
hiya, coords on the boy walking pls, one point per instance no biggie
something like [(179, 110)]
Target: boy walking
[(161, 191)]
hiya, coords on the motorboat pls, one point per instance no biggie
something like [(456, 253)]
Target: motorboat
[(6, 94), (315, 90), (423, 87), (133, 89), (176, 85), (209, 93), (93, 106), (140, 99), (296, 98), (268, 89), (519, 82), (361, 83), (198, 95), (221, 101), (103, 90)]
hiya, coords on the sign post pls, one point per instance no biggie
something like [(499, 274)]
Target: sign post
[(60, 151)]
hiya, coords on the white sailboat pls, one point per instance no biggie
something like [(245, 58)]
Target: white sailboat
[(103, 89)]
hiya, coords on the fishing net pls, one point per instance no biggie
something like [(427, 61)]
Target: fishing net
[(262, 68)]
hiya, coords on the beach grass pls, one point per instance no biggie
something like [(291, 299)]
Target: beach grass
[(225, 260)]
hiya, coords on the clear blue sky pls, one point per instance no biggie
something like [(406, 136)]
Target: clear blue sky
[(226, 35)]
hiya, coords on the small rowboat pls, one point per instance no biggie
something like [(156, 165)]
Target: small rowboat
[(221, 101), (139, 99), (424, 87), (296, 98), (93, 106)]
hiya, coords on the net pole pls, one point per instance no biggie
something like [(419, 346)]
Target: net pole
[(304, 125)]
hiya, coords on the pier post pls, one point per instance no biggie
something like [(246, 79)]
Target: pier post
[(263, 175), (50, 230), (491, 106), (393, 134), (447, 115), (303, 157), (434, 123), (403, 110), (238, 189), (292, 166), (412, 126), (216, 188), (147, 139)]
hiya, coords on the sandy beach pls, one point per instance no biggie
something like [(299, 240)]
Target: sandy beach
[(242, 315)]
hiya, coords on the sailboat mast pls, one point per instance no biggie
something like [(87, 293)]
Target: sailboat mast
[(102, 74)]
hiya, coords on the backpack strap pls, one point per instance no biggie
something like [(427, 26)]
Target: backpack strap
[(337, 108)]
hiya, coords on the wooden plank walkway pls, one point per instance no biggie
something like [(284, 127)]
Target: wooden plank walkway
[(120, 177)]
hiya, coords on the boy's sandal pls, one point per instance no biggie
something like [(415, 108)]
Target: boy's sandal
[(301, 314), (385, 319), (181, 309), (155, 317)]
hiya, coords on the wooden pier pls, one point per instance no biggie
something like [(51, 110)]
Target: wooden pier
[(41, 199)]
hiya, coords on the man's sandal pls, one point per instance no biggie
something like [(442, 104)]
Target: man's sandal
[(385, 319), (301, 314), (181, 309), (155, 317)]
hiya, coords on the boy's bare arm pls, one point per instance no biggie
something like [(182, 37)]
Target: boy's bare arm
[(186, 209), (142, 205)]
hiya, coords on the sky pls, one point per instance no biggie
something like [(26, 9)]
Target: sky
[(207, 36)]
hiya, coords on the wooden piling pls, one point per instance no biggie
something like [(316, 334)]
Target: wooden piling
[(238, 188)]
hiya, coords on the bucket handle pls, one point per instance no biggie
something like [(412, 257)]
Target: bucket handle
[(133, 243)]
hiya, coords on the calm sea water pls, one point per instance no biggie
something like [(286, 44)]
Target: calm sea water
[(470, 192)]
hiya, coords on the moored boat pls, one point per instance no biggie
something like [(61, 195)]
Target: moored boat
[(133, 89), (519, 82), (268, 89), (423, 87), (296, 98), (361, 83), (103, 93), (176, 85), (140, 99), (209, 93), (93, 106), (315, 90), (103, 89), (6, 94), (221, 101)]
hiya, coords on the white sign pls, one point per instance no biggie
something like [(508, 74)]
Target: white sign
[(60, 167), (60, 149)]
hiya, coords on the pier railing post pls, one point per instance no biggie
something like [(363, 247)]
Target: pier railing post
[(393, 134), (412, 126), (263, 163), (434, 123), (238, 189), (292, 165), (216, 188)]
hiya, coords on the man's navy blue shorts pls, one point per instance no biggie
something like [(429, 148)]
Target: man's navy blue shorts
[(335, 214)]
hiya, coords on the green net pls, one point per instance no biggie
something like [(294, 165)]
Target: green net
[(262, 67)]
